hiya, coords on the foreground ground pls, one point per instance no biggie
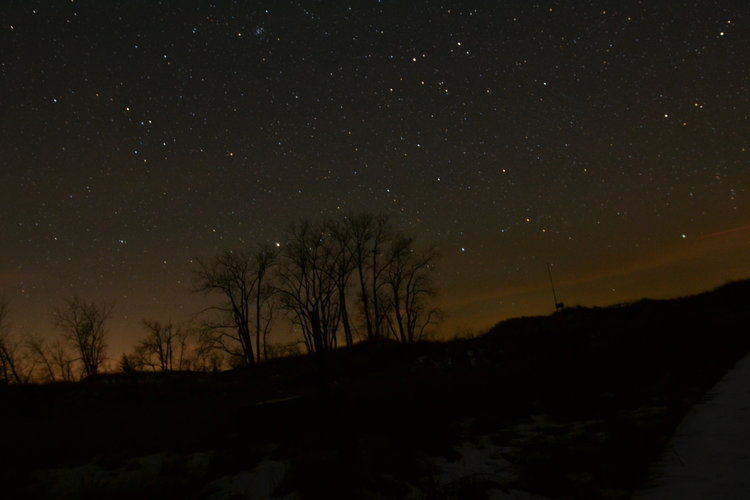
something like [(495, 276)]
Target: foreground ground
[(575, 405)]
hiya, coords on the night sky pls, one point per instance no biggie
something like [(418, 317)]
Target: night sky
[(611, 139)]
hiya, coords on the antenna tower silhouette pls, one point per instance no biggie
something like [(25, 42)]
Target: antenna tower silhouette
[(558, 305)]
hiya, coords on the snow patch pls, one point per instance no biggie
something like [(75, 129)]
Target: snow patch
[(256, 484), (80, 480), (496, 494), (482, 459)]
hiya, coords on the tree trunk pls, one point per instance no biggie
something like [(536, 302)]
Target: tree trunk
[(317, 332), (345, 318), (243, 332), (365, 300), (9, 363), (399, 316), (257, 323)]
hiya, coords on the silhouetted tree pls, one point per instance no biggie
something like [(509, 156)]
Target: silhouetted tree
[(62, 361), (163, 349), (208, 353), (410, 287), (307, 284), (230, 274), (344, 265), (126, 364), (276, 351), (265, 260), (38, 349), (240, 277), (83, 325), (370, 234), (9, 363), (54, 357)]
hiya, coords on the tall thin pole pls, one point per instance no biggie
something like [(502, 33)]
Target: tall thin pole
[(552, 284)]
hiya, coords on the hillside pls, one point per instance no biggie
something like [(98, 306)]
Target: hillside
[(574, 405)]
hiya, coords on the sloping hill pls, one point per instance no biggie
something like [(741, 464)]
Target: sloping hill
[(576, 404)]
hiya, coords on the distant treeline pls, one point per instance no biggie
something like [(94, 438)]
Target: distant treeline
[(336, 280)]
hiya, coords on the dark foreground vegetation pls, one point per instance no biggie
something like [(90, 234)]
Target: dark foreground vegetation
[(575, 405)]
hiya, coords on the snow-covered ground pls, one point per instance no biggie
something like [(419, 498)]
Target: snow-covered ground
[(146, 472), (258, 483), (709, 456), (483, 460), (80, 481)]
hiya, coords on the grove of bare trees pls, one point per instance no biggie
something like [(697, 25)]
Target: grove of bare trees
[(350, 278), (164, 348), (55, 358), (307, 284), (84, 326), (331, 281), (28, 357)]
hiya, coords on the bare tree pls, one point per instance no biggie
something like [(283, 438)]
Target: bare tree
[(38, 349), (54, 358), (128, 363), (370, 235), (9, 363), (343, 267), (208, 353), (83, 325), (410, 288), (164, 347), (62, 361), (307, 285), (265, 259), (392, 281), (240, 277)]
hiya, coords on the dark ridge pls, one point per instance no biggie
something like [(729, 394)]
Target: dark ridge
[(609, 383)]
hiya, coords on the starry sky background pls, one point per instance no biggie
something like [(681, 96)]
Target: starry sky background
[(609, 138)]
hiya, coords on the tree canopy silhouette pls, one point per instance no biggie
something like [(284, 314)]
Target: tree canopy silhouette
[(83, 325), (240, 277)]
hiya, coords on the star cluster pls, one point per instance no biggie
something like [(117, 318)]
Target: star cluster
[(609, 138)]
